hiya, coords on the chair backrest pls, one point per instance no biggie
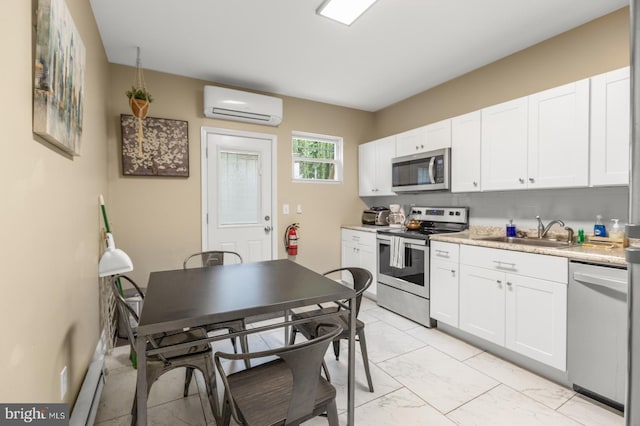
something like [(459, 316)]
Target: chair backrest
[(304, 360), (126, 311), (210, 258), (362, 279)]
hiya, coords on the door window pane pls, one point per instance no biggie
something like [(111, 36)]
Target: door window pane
[(239, 188)]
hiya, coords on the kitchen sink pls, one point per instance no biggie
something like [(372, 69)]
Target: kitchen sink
[(537, 242)]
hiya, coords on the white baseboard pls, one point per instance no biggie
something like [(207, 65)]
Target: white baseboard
[(86, 406)]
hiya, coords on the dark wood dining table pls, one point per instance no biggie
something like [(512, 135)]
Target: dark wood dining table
[(184, 298)]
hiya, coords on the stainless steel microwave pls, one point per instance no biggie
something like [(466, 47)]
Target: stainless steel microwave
[(426, 171)]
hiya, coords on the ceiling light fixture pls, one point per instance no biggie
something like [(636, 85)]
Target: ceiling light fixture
[(344, 11)]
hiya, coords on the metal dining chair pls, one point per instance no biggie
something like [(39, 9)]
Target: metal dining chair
[(361, 281), (286, 391), (199, 356), (214, 258)]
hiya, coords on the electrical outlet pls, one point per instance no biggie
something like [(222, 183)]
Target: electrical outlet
[(299, 208), (64, 383)]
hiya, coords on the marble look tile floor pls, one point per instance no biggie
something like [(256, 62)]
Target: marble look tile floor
[(421, 376)]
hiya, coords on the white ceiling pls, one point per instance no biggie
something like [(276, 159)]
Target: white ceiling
[(397, 49)]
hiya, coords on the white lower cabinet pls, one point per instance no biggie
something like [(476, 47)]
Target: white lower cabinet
[(443, 281), (482, 303), (516, 300), (358, 249)]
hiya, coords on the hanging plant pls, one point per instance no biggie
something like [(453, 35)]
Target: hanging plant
[(139, 100)]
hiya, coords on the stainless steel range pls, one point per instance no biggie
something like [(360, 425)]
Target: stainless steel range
[(403, 261)]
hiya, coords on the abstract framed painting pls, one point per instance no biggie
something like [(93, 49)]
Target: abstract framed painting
[(164, 150), (59, 77)]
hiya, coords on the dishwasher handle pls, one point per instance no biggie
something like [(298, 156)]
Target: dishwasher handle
[(600, 281)]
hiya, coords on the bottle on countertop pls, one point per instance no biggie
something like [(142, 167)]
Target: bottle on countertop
[(511, 229), (599, 229), (616, 230), (580, 237)]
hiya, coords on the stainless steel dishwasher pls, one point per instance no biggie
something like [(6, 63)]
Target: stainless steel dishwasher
[(597, 331)]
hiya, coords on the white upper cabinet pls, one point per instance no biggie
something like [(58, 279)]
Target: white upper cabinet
[(426, 138), (374, 167), (465, 152), (610, 131), (558, 144), (504, 145)]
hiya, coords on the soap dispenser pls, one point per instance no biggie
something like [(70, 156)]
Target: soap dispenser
[(616, 231), (511, 229), (598, 229)]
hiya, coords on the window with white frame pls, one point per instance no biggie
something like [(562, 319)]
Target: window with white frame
[(316, 158)]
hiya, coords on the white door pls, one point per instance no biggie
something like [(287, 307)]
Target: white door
[(237, 193)]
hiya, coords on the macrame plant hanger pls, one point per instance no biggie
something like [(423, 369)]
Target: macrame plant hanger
[(140, 107)]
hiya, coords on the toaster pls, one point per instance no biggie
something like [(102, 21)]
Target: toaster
[(375, 217)]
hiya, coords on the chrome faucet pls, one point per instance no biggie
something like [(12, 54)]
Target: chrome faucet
[(542, 230)]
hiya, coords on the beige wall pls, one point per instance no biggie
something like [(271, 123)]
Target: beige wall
[(596, 47), (50, 221), (157, 220)]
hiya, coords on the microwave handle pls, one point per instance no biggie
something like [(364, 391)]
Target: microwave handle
[(432, 178)]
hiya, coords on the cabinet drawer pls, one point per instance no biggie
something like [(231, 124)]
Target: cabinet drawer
[(540, 266), (351, 235), (445, 251), (362, 238)]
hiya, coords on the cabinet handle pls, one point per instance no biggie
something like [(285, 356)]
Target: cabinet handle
[(499, 264), (521, 180), (442, 252), (532, 180)]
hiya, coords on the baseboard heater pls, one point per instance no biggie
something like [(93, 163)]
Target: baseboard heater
[(86, 406)]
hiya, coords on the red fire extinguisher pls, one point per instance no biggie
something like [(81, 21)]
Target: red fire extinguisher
[(291, 239)]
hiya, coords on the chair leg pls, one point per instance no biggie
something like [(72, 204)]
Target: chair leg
[(187, 381), (292, 336), (226, 413), (212, 389), (235, 347), (244, 345), (326, 371), (332, 413), (365, 357), (336, 348)]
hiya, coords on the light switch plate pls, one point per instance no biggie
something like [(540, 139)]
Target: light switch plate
[(285, 209), (299, 208)]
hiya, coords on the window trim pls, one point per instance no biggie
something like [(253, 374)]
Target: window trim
[(338, 161)]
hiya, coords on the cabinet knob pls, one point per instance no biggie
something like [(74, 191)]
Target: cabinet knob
[(521, 180), (499, 281), (421, 146), (417, 148), (475, 183), (509, 283), (453, 272), (532, 180)]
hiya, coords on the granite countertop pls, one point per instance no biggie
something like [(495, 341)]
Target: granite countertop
[(614, 256)]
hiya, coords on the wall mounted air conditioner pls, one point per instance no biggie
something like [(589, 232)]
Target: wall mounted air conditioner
[(236, 105)]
